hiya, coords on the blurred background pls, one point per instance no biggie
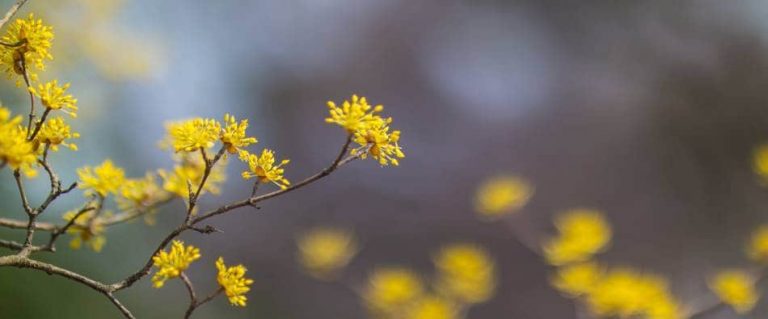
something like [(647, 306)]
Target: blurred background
[(646, 110)]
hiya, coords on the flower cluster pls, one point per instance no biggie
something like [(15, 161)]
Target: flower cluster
[(173, 263), (621, 292), (232, 280), (735, 288), (502, 195), (55, 97), (15, 150), (368, 129), (27, 43), (103, 179), (582, 233), (263, 168), (87, 229), (324, 251), (466, 275)]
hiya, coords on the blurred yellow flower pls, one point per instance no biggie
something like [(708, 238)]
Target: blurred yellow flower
[(626, 293), (264, 169), (354, 114), (233, 280), (760, 161), (323, 251), (582, 234), (735, 288), (139, 194), (103, 179), (190, 168), (27, 43), (577, 279), (233, 136), (466, 273), (192, 135), (502, 195), (392, 288), (757, 249), (55, 132), (431, 307), (55, 97), (15, 150), (87, 229), (172, 263)]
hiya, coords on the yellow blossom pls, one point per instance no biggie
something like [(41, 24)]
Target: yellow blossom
[(390, 289), (466, 273), (233, 280), (55, 97), (263, 167), (757, 249), (376, 140), (190, 169), (502, 195), (353, 115), (582, 234), (431, 307), (15, 150), (323, 251), (172, 263), (139, 194), (87, 229), (55, 132), (735, 288), (192, 135), (760, 161), (27, 43), (233, 136), (103, 179), (626, 293), (577, 279)]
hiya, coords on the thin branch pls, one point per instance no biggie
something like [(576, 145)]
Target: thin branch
[(251, 201), (11, 12), (39, 124), (22, 193), (19, 224)]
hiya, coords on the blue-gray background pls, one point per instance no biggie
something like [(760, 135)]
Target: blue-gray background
[(647, 110)]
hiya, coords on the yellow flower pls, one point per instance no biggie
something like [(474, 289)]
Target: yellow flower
[(375, 139), (192, 135), (466, 273), (582, 234), (233, 280), (353, 115), (15, 150), (87, 229), (139, 194), (390, 289), (191, 168), (735, 288), (55, 97), (29, 43), (171, 264), (323, 251), (757, 249), (103, 179), (625, 293), (760, 161), (55, 132), (577, 279), (263, 167), (234, 136), (502, 195), (431, 307)]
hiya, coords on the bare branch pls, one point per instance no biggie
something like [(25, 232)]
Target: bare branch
[(11, 12)]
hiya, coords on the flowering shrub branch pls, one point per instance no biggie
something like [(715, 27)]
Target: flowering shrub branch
[(25, 149)]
